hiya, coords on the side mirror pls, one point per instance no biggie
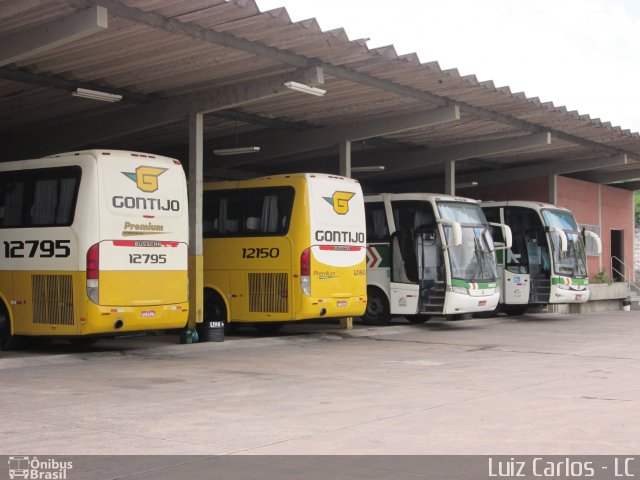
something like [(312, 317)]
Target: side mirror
[(562, 235), (456, 230), (596, 239), (506, 235)]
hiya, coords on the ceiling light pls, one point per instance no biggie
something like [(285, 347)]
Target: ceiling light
[(301, 87), (96, 95), (372, 168), (235, 150), (466, 184)]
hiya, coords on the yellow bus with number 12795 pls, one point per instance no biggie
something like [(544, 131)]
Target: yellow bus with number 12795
[(94, 243)]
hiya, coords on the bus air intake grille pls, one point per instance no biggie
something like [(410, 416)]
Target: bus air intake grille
[(52, 299), (268, 292)]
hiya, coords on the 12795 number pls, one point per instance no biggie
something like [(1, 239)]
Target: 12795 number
[(37, 248)]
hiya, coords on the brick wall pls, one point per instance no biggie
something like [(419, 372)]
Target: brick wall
[(535, 189), (617, 213), (582, 199)]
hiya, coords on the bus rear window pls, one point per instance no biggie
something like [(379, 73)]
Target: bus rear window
[(38, 198), (247, 212)]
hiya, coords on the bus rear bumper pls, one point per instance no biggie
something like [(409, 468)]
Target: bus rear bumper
[(116, 320), (312, 307)]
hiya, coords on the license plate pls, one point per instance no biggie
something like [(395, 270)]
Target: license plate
[(578, 297), (342, 303)]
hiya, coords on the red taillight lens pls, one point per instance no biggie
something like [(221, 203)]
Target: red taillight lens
[(93, 262), (305, 263)]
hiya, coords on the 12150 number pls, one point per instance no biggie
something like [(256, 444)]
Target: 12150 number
[(265, 252)]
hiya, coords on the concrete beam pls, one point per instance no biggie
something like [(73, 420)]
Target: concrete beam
[(421, 160), (315, 139), (551, 168), (49, 81), (41, 38), (633, 186), (94, 130), (610, 177)]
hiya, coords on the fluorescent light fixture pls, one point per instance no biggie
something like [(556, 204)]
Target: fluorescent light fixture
[(466, 184), (372, 168), (301, 87), (235, 151), (96, 95)]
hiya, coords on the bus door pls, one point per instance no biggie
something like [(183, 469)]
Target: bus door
[(539, 265), (405, 290), (515, 286), (431, 270)]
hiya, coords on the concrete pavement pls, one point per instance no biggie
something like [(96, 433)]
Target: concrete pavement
[(536, 384)]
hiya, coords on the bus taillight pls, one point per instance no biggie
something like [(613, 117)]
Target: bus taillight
[(93, 272), (305, 271)]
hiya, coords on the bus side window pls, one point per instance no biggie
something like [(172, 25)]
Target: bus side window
[(376, 220), (12, 200)]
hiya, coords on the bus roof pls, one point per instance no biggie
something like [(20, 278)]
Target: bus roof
[(274, 180), (524, 204), (437, 197), (98, 153)]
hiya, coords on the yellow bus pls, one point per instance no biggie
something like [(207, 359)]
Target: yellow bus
[(283, 248), (94, 243)]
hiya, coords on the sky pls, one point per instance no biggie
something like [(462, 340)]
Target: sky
[(583, 54)]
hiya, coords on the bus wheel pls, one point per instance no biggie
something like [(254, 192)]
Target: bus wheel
[(417, 318), (82, 341), (377, 312), (268, 327), (514, 309), (214, 311), (7, 341)]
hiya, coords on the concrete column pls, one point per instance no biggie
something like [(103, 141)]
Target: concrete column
[(553, 189), (345, 170), (601, 229), (450, 177), (345, 158), (196, 283)]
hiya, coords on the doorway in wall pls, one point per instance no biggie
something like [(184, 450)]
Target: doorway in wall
[(617, 255)]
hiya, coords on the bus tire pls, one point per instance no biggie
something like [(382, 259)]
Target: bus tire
[(417, 318), (377, 311), (514, 309), (215, 310), (7, 341)]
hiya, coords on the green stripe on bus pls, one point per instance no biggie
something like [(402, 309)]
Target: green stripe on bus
[(573, 281)]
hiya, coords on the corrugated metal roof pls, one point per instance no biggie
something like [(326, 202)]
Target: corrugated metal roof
[(154, 50)]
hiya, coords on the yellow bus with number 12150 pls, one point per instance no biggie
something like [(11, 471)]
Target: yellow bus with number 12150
[(284, 248)]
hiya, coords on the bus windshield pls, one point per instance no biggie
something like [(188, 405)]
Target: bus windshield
[(559, 218), (572, 262), (474, 260)]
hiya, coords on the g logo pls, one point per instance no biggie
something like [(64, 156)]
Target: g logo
[(146, 178), (340, 202)]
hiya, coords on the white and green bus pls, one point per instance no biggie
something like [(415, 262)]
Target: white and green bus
[(547, 261), (428, 254)]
